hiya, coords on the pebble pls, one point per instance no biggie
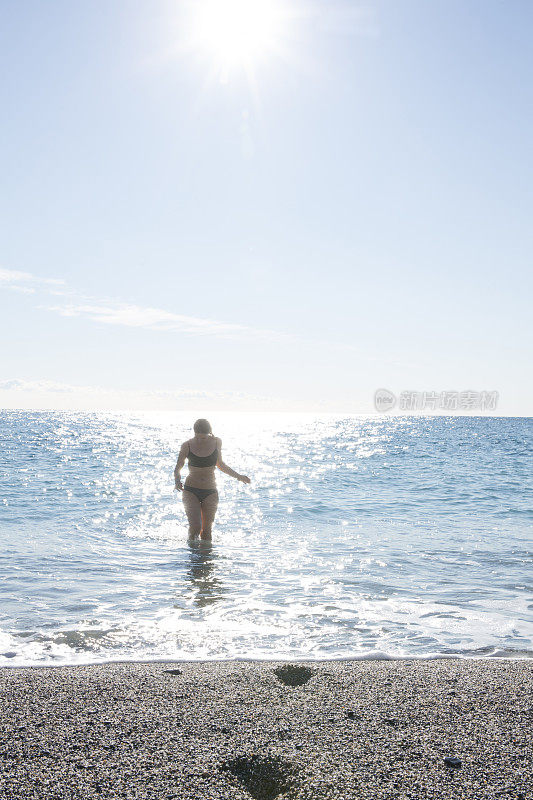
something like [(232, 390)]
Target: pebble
[(451, 761)]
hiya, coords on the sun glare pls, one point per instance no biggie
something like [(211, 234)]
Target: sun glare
[(237, 32)]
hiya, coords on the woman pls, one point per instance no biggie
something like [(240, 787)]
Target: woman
[(200, 495)]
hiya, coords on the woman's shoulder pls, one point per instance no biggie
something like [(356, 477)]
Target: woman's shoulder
[(218, 440)]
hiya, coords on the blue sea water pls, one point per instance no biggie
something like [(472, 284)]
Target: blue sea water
[(360, 537)]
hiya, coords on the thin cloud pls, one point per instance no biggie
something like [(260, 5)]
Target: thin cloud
[(113, 312), (18, 385), (157, 319), (52, 394), (25, 281), (107, 311)]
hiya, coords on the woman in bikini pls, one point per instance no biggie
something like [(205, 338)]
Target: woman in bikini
[(200, 495)]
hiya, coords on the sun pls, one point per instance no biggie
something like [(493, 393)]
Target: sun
[(238, 32)]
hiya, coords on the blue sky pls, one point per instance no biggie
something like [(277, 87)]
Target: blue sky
[(358, 216)]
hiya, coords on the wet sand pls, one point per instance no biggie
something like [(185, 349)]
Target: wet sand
[(351, 729)]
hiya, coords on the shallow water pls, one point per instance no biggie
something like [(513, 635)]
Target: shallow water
[(359, 537)]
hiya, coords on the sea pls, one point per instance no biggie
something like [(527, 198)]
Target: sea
[(364, 537)]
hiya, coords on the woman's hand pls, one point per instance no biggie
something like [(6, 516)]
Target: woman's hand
[(179, 486), (243, 478)]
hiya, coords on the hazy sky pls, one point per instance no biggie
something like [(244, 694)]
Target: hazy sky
[(350, 211)]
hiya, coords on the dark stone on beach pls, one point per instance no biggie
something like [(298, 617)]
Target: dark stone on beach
[(293, 675), (451, 761), (264, 777), (173, 671), (392, 721), (351, 715)]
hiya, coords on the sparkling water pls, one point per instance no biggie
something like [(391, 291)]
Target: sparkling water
[(359, 537)]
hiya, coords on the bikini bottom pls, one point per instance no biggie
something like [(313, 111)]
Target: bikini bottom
[(201, 494)]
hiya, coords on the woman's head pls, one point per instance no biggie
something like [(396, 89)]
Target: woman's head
[(202, 426)]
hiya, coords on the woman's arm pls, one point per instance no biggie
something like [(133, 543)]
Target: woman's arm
[(179, 466), (228, 470)]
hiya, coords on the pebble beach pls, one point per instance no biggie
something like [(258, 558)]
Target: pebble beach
[(448, 728)]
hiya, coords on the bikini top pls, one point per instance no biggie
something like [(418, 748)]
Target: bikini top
[(203, 461)]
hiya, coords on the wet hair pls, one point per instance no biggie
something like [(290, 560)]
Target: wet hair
[(202, 426)]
